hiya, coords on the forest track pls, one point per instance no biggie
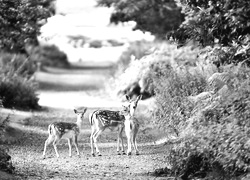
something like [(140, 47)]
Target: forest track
[(26, 151)]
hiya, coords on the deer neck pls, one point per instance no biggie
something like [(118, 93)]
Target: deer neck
[(79, 122), (128, 116)]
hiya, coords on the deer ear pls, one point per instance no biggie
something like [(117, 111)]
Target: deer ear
[(75, 110), (138, 98), (127, 97)]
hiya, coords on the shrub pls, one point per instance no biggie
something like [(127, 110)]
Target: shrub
[(5, 161), (95, 44), (19, 63), (115, 43), (17, 89), (172, 91), (78, 40), (137, 49), (219, 142), (49, 56), (208, 23), (143, 71)]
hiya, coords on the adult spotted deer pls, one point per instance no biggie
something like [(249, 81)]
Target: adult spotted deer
[(65, 130), (101, 120), (131, 123)]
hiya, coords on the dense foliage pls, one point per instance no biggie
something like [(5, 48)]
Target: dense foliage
[(223, 23), (136, 49), (216, 143), (17, 87), (156, 16), (206, 110), (48, 56), (5, 161), (20, 22)]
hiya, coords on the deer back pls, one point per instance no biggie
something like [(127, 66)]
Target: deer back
[(109, 118), (63, 128)]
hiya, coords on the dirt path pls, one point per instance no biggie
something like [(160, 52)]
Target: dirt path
[(58, 106)]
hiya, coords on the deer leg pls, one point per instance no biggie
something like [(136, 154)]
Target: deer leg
[(134, 132), (92, 141), (120, 140), (47, 142), (129, 143), (128, 134), (96, 135), (135, 144), (76, 145), (129, 146), (123, 152), (56, 140), (70, 146)]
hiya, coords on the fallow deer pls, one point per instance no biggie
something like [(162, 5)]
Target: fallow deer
[(65, 130), (131, 123), (99, 121)]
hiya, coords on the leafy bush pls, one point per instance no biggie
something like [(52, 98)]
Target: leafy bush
[(78, 40), (172, 90), (217, 23), (153, 66), (5, 161), (218, 144), (136, 49), (95, 44), (19, 63), (21, 22), (211, 127), (115, 43), (5, 158), (17, 89), (48, 56), (232, 54)]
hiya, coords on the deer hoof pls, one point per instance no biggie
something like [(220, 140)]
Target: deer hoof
[(137, 153), (129, 153), (123, 153), (93, 155), (118, 153)]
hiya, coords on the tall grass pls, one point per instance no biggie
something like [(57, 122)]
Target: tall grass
[(17, 89)]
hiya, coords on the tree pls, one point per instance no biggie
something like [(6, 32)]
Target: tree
[(225, 23), (156, 16), (20, 22)]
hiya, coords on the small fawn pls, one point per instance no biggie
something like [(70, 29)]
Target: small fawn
[(131, 123), (106, 119), (64, 130)]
